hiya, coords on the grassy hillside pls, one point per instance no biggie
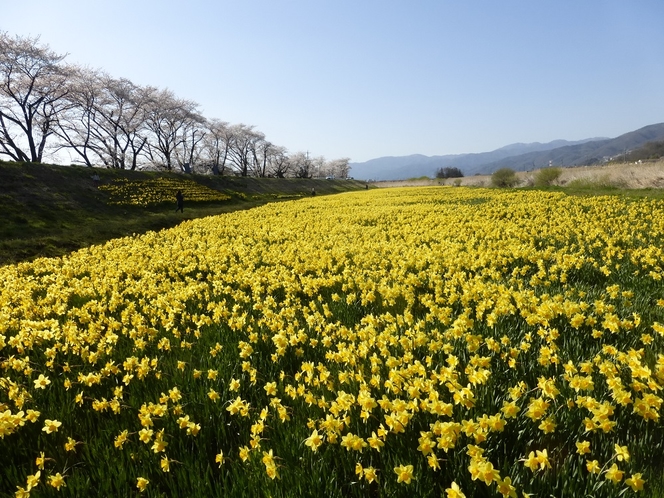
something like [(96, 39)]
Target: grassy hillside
[(50, 210)]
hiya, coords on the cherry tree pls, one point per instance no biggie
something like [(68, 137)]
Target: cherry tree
[(216, 145), (105, 122), (339, 168), (279, 164), (33, 91), (242, 143), (175, 129), (300, 165)]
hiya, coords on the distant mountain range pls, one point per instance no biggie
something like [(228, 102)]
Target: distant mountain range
[(519, 157)]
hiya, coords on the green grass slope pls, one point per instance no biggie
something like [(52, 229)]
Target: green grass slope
[(48, 210)]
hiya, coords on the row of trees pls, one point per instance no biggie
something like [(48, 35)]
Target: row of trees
[(449, 173), (50, 106)]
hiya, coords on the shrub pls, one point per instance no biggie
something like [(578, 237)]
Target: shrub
[(504, 177), (601, 182), (546, 176)]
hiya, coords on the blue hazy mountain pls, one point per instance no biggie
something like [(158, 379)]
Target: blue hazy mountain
[(518, 156)]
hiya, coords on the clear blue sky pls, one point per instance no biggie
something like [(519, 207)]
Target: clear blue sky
[(367, 78)]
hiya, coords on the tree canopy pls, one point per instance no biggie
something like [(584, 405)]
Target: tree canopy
[(449, 173)]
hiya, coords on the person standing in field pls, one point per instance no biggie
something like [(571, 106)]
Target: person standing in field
[(180, 200)]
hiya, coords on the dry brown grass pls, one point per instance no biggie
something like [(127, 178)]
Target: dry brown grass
[(622, 175)]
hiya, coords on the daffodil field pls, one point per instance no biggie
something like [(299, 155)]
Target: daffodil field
[(442, 342), (156, 191)]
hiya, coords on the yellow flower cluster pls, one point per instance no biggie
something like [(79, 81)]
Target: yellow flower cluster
[(152, 192), (512, 340)]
